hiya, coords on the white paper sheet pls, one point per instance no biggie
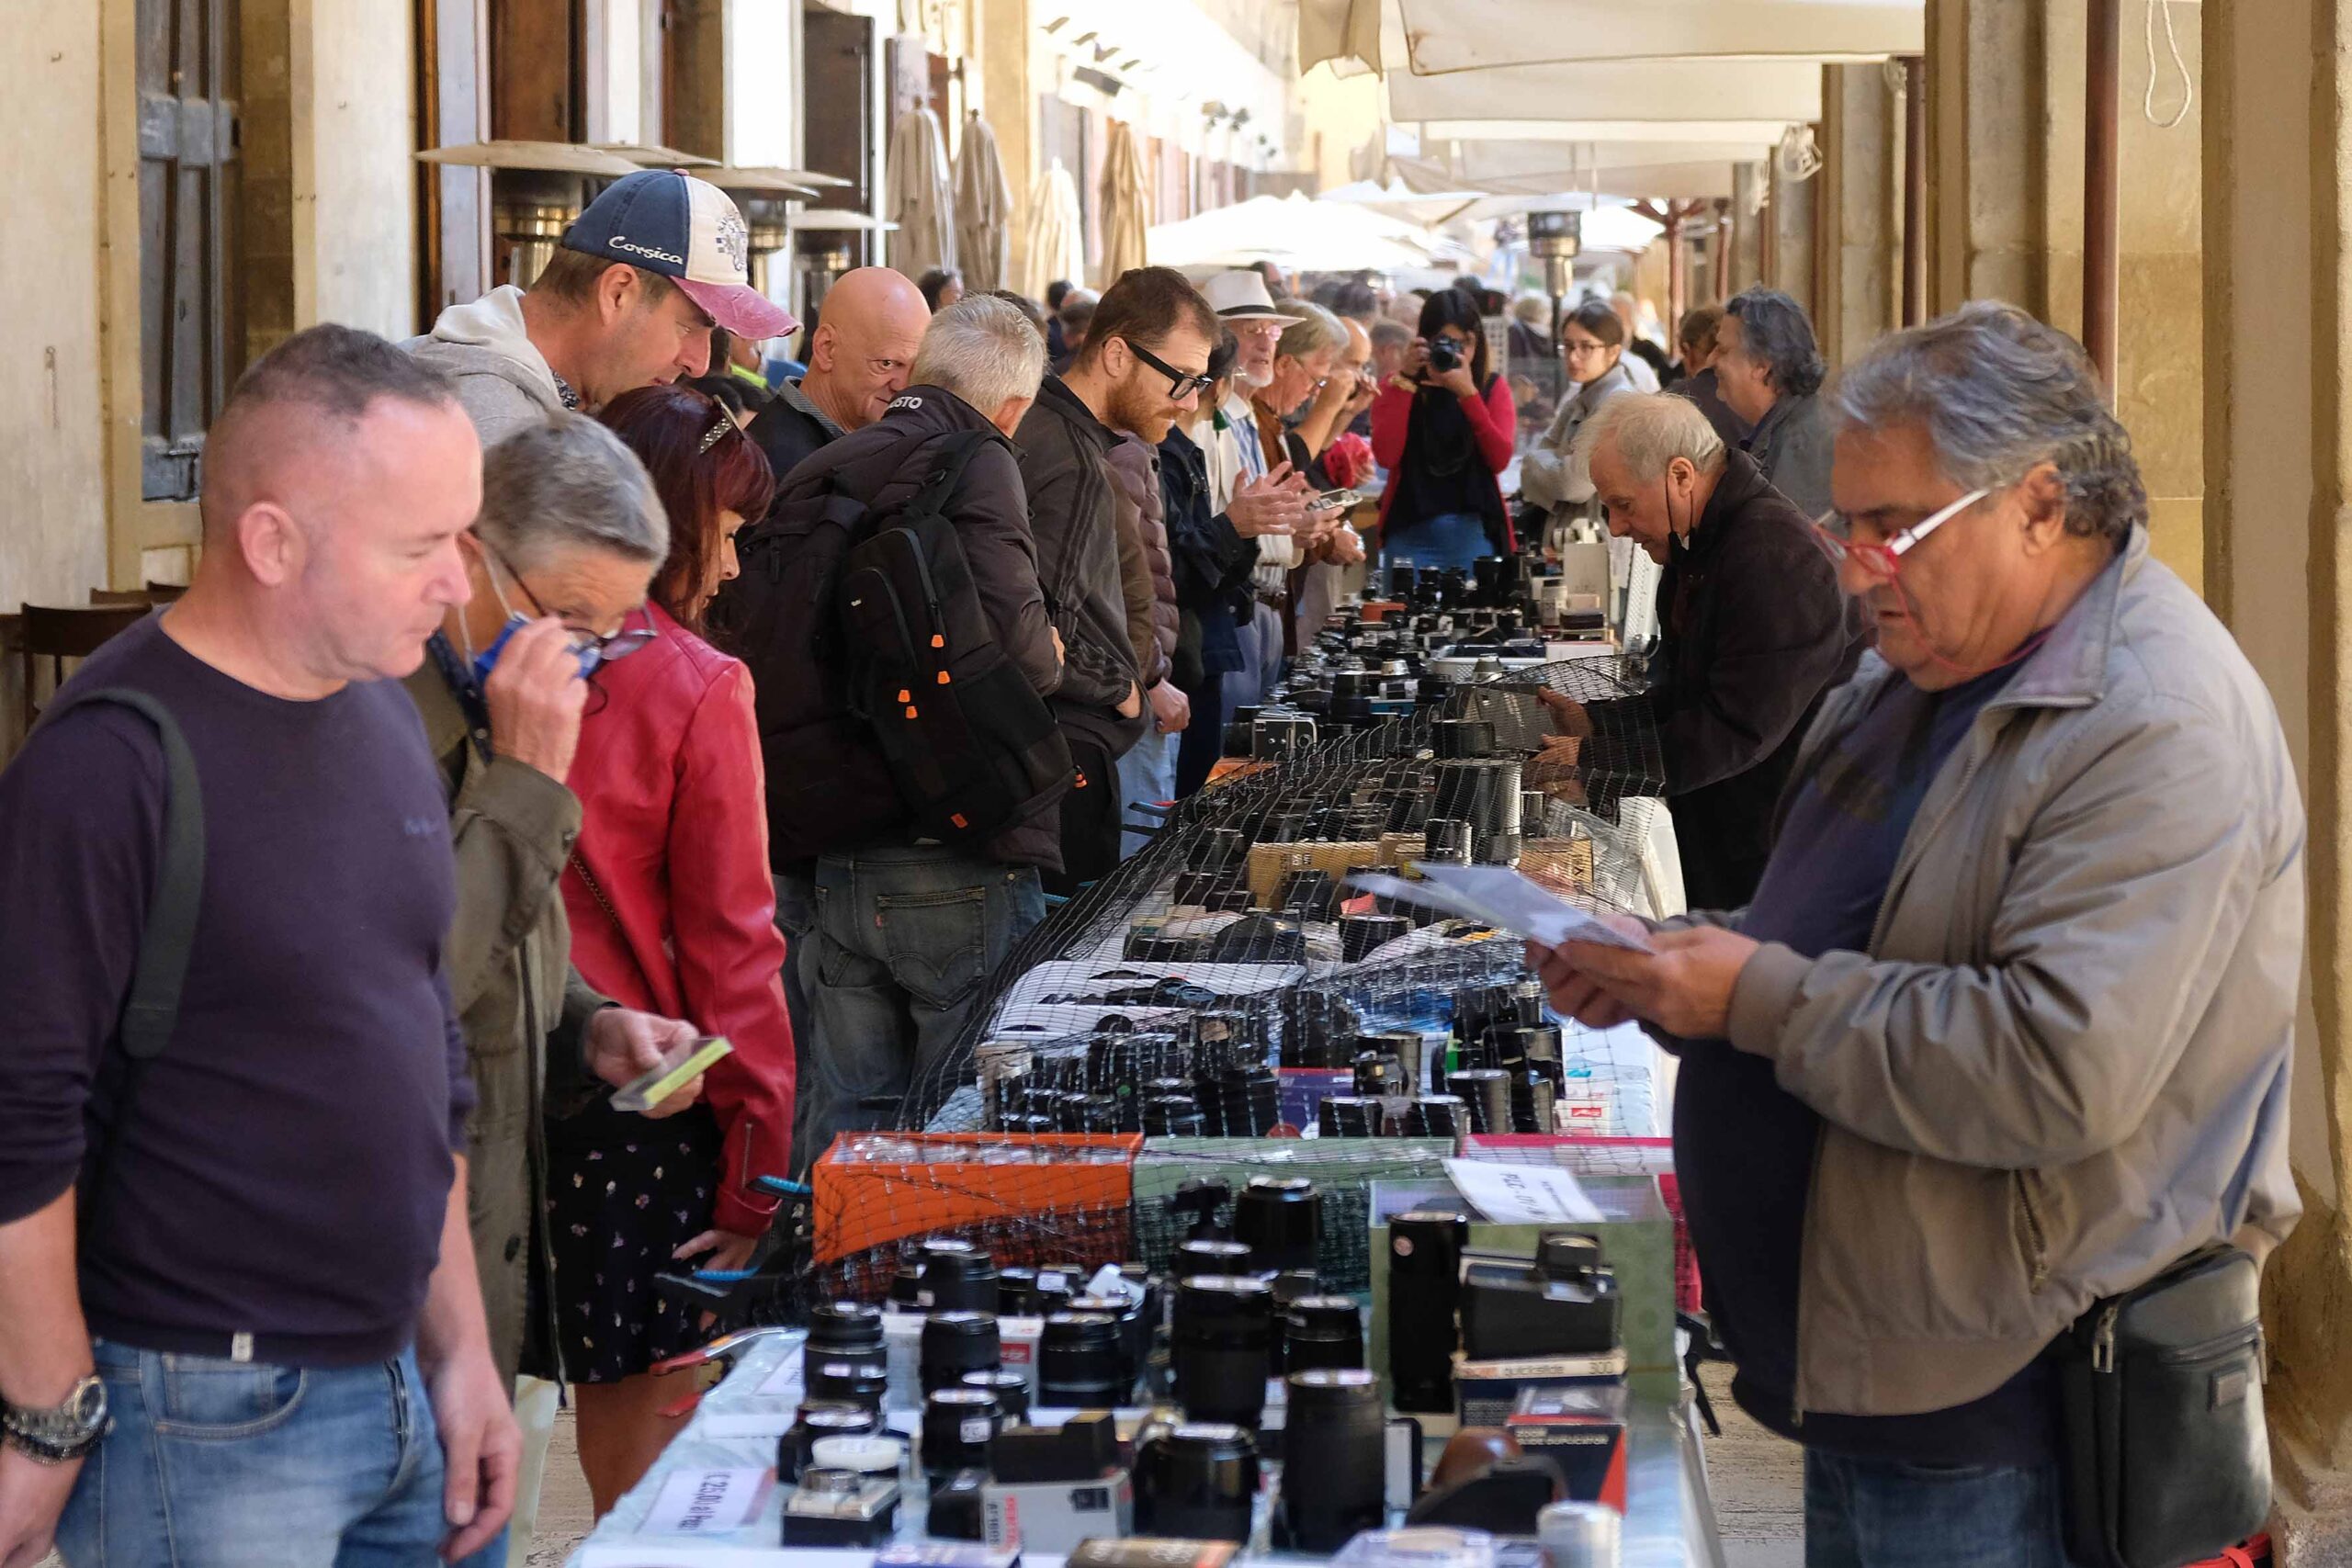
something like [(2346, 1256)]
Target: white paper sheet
[(708, 1502), (1522, 1194), (1498, 896)]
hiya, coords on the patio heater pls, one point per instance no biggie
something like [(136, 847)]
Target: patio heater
[(764, 196), (536, 190), (1555, 238)]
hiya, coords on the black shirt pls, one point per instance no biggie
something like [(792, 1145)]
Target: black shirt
[(286, 1166), (1744, 1146)]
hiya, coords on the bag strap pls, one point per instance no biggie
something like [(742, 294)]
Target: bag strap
[(152, 1007), (954, 455)]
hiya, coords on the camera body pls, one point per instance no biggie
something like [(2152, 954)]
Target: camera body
[(1563, 1302), (841, 1507), (1445, 355)]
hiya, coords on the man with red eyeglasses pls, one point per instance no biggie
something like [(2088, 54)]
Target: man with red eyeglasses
[(2004, 1030)]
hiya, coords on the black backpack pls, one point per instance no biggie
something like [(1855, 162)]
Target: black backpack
[(917, 723)]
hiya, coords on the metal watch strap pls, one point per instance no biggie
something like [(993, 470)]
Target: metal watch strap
[(58, 1435)]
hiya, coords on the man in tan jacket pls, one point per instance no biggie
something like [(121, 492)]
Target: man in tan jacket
[(2005, 1028)]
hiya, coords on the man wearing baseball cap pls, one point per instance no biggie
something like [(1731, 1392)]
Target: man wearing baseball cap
[(628, 300)]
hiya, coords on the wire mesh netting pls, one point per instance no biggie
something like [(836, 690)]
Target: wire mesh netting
[(1227, 981)]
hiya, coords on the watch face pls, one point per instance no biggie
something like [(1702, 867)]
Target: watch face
[(89, 1402)]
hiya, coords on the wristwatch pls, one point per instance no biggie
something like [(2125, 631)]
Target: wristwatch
[(60, 1433)]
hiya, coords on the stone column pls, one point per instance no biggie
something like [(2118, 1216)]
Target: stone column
[(1861, 253), (2277, 230), (1748, 225), (1009, 104), (1793, 218)]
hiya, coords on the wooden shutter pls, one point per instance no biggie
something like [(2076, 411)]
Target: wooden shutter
[(188, 149)]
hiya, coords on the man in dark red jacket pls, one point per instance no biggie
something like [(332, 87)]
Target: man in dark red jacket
[(906, 932)]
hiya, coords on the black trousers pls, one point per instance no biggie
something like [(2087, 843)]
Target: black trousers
[(1090, 813)]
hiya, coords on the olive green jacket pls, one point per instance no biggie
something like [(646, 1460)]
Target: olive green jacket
[(524, 1009)]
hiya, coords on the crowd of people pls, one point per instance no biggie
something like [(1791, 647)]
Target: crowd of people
[(542, 706)]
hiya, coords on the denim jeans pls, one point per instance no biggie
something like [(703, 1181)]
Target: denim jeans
[(1452, 538), (229, 1464), (1877, 1512), (903, 940), (796, 899), (1147, 773)]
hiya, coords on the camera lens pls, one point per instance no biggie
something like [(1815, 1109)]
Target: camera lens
[(1424, 1280), (1437, 1116), (1333, 1449), (1486, 1091), (1359, 934), (958, 1276), (1016, 1293), (1349, 1116), (1011, 1388), (1281, 1220), (1534, 1101), (1172, 1116), (1129, 1318), (845, 1331), (1321, 1331), (1079, 1361), (822, 1419), (957, 1425), (1210, 1257), (1221, 1347), (849, 1382), (954, 1343), (1196, 1482)]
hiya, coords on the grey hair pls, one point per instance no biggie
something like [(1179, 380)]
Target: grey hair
[(570, 484), (982, 349), (1998, 393), (1777, 333), (1309, 330), (1651, 430)]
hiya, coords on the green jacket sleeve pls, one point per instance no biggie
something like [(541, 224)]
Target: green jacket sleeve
[(512, 827), (571, 1087)]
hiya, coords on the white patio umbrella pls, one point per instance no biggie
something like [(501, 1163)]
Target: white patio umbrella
[(1294, 231)]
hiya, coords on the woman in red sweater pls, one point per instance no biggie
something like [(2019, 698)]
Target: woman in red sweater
[(672, 911), (1445, 438)]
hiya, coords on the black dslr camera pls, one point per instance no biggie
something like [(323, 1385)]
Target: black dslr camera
[(1562, 1302), (1445, 355)]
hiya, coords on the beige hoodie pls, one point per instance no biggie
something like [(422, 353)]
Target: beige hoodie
[(502, 378)]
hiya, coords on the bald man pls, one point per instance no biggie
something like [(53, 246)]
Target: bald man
[(869, 329), (279, 1195)]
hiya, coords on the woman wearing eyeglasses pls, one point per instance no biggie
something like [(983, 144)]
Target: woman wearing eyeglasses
[(670, 909), (1444, 430), (1592, 346)]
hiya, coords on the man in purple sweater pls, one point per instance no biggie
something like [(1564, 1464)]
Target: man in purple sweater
[(270, 1270)]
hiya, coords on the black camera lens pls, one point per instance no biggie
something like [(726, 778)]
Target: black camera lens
[(1208, 1255), (958, 1276), (1321, 1331), (1447, 840), (845, 1331), (1534, 1101), (1437, 1116), (1406, 1047), (906, 1285), (957, 1425), (1011, 1388), (1088, 1113), (1221, 1347), (1486, 1091), (1424, 1281), (822, 1419), (1360, 934), (849, 1382), (1196, 1482), (1349, 1116), (1080, 1361), (1055, 1288), (1016, 1291), (1172, 1115), (1281, 1220), (1129, 1317), (1333, 1443), (954, 1343)]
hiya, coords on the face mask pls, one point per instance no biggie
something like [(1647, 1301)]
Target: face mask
[(482, 664)]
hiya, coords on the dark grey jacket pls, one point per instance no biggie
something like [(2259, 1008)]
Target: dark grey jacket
[(1791, 444), (1066, 464)]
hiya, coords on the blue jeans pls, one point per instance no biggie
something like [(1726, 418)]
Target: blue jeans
[(1147, 773), (794, 908), (228, 1464), (1876, 1513), (904, 938), (1451, 538)]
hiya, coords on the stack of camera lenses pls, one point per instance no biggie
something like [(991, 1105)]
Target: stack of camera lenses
[(957, 1423), (1334, 1469), (1196, 1482)]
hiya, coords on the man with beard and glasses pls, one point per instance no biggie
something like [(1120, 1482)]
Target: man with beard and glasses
[(1144, 361)]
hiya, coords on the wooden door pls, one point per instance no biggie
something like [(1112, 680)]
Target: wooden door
[(189, 339), (837, 63)]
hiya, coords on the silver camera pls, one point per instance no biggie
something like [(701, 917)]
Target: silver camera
[(841, 1507)]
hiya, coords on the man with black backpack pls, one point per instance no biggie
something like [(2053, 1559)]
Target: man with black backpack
[(893, 620), (1144, 362)]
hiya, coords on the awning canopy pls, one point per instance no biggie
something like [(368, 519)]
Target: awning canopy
[(1677, 169), (1787, 91), (1433, 37)]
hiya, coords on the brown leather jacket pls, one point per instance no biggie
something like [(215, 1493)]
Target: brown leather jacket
[(1146, 571)]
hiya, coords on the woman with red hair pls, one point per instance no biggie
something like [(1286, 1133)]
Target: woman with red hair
[(672, 911)]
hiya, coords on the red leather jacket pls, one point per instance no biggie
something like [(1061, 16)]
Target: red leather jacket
[(675, 835)]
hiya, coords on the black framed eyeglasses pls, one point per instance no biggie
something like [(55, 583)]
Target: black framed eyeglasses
[(1182, 384), (591, 649)]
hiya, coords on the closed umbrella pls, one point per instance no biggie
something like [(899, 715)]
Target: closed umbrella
[(1057, 237), (1126, 204), (983, 210), (922, 201)]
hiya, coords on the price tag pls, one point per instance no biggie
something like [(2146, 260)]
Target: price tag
[(1522, 1194), (708, 1502)]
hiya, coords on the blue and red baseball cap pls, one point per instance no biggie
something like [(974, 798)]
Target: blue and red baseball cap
[(687, 230)]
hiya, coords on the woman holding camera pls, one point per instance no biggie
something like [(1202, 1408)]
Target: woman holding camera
[(1443, 429)]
